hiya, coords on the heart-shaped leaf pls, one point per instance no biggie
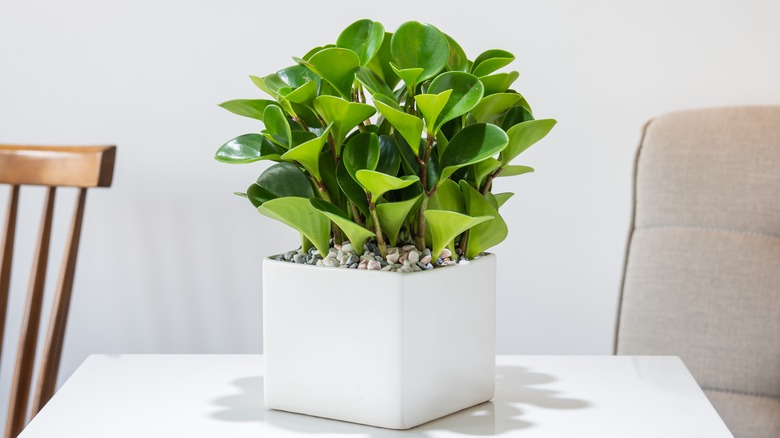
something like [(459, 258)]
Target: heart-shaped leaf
[(356, 234), (466, 92), (258, 195), (377, 184), (298, 213), (499, 82), (471, 145), (523, 135), (457, 60), (351, 188), (311, 52), (445, 226), (417, 45), (304, 94), (430, 106), (511, 170), (248, 148), (490, 61), (389, 158), (501, 198), (252, 108), (447, 197), (363, 37), (361, 152), (285, 179), (343, 115), (392, 216), (485, 235), (308, 154), (277, 126), (494, 106), (380, 63), (409, 126), (410, 76), (373, 83), (337, 67)]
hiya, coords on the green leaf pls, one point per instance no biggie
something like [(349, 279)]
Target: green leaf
[(501, 198), (510, 170), (409, 126), (494, 106), (277, 126), (466, 92), (447, 197), (248, 148), (363, 37), (304, 94), (490, 61), (417, 45), (392, 216), (298, 213), (410, 76), (252, 108), (337, 67), (408, 156), (328, 171), (431, 105), (517, 114), (485, 168), (361, 152), (471, 145), (523, 135), (389, 157), (380, 64), (356, 234), (445, 226), (499, 82), (377, 184), (485, 235), (311, 52), (258, 195), (456, 60), (308, 154), (373, 83), (285, 179), (343, 115), (350, 187), (301, 137)]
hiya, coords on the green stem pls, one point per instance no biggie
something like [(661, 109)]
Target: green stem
[(489, 181), (419, 238), (426, 155), (380, 241)]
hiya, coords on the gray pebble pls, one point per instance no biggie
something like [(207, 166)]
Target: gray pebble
[(429, 266), (425, 260), (404, 269), (421, 265), (289, 255), (346, 248), (413, 257), (416, 268), (445, 253), (352, 259), (426, 252), (408, 248), (299, 258), (353, 266), (331, 262), (379, 258)]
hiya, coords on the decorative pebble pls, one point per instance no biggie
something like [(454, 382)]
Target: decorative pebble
[(346, 248), (416, 268), (429, 266), (363, 264), (425, 260), (352, 259), (299, 258), (426, 252), (374, 265), (289, 255), (393, 258), (403, 258), (413, 256), (445, 253), (405, 269), (392, 250), (421, 265), (387, 268), (331, 262), (353, 266), (408, 248)]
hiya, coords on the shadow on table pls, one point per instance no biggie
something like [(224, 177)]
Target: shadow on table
[(516, 389)]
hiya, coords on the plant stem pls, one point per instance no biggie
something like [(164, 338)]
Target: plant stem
[(356, 214), (489, 181), (464, 243), (419, 238), (380, 241), (426, 155), (324, 192), (301, 122)]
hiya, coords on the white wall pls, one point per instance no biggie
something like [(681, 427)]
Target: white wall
[(170, 260)]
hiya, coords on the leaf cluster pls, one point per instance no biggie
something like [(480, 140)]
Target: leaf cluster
[(392, 137)]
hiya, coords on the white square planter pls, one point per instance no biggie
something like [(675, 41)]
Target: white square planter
[(386, 349)]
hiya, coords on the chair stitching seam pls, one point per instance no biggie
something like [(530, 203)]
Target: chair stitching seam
[(767, 236)]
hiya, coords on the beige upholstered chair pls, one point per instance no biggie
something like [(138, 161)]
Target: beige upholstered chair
[(702, 277)]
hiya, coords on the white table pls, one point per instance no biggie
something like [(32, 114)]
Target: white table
[(195, 396)]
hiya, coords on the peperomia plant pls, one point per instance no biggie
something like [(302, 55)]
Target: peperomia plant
[(388, 137)]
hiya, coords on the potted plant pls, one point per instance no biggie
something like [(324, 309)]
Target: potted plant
[(386, 147)]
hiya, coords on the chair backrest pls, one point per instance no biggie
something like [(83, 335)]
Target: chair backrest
[(702, 275), (81, 167)]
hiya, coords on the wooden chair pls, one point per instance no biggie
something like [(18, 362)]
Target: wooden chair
[(80, 167)]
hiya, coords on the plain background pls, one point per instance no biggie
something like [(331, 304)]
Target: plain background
[(170, 259)]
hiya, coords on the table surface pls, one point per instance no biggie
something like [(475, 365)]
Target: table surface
[(222, 396)]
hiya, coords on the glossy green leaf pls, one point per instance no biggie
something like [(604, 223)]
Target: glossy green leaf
[(248, 148), (304, 94), (483, 169), (511, 170), (350, 187), (380, 64), (378, 183), (392, 216), (285, 179), (361, 152), (471, 145), (298, 213), (363, 37), (490, 61), (447, 197), (485, 235), (445, 226), (357, 234), (337, 67), (373, 83), (417, 45), (517, 114), (494, 106), (343, 115), (466, 89), (409, 126), (501, 198), (252, 108), (431, 105), (258, 195), (277, 126), (410, 76), (499, 82), (301, 137), (389, 157), (308, 154), (328, 172), (408, 156), (524, 135), (311, 52), (456, 60)]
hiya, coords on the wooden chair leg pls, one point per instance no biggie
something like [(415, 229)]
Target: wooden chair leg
[(6, 257), (25, 356), (52, 353)]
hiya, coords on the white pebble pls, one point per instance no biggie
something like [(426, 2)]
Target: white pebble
[(392, 257), (416, 268), (363, 265), (392, 250), (408, 248), (346, 248), (387, 268), (413, 256), (445, 253), (405, 269), (425, 260), (374, 265)]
